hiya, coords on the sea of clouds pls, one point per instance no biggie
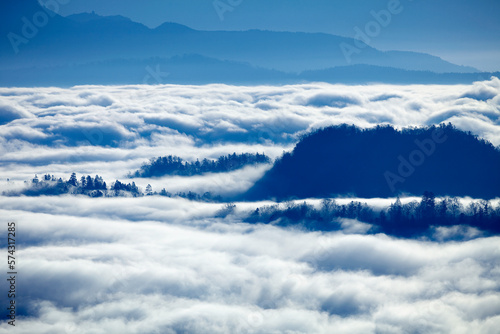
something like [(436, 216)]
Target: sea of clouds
[(167, 265), (111, 130), (161, 265)]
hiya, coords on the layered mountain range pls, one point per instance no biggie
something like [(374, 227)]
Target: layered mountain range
[(40, 47)]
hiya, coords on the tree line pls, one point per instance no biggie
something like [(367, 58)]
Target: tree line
[(405, 220), (173, 165), (90, 186)]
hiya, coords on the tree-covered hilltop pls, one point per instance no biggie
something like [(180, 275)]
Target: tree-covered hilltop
[(173, 165), (383, 162), (405, 220), (49, 185)]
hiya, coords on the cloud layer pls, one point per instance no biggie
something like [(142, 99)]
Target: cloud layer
[(170, 268), (165, 265), (114, 129)]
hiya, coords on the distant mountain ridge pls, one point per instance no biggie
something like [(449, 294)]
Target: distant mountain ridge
[(58, 42), (88, 17), (197, 69)]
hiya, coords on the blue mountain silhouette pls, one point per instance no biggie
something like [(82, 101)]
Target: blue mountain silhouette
[(88, 38)]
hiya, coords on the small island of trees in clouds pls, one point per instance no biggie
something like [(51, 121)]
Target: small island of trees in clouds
[(173, 165), (170, 165)]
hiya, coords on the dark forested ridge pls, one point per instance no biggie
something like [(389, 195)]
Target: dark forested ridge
[(384, 162), (173, 165)]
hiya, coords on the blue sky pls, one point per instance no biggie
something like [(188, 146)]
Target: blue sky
[(466, 32)]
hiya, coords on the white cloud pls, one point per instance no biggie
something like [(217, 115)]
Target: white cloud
[(9, 113), (154, 264), (165, 265), (191, 120)]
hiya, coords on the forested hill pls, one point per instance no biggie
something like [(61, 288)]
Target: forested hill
[(173, 165), (384, 162)]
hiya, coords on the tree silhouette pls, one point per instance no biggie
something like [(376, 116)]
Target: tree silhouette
[(73, 181), (427, 207), (172, 165), (403, 220)]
